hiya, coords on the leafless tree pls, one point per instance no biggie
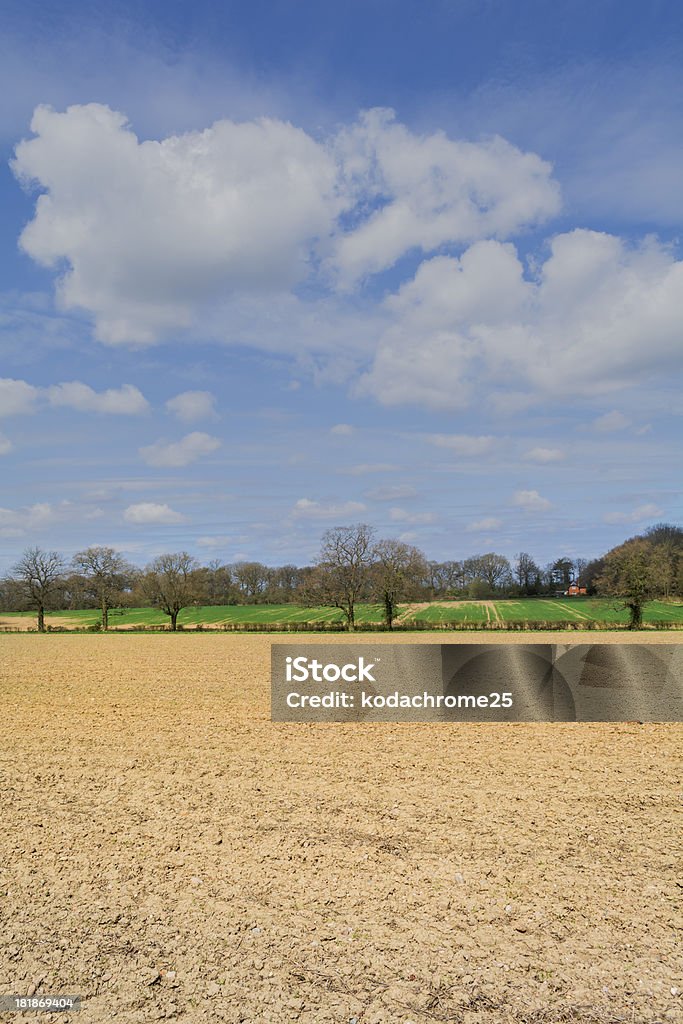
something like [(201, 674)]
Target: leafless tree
[(491, 570), (108, 572), (343, 575), (170, 583), (527, 573), (40, 574), (252, 579), (397, 569)]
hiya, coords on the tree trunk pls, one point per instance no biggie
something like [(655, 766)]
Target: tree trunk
[(174, 621), (105, 613), (636, 610), (388, 612), (351, 621), (41, 618)]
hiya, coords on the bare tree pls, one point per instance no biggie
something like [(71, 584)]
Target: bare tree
[(397, 569), (169, 583), (108, 573), (216, 583), (491, 570), (343, 575), (252, 579), (40, 574), (527, 573)]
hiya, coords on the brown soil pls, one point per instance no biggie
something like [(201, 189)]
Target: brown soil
[(29, 621), (492, 611), (168, 852), (411, 610)]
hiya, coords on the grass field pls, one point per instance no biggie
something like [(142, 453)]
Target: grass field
[(171, 853), (525, 610)]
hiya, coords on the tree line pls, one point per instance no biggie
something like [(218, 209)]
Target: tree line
[(352, 566)]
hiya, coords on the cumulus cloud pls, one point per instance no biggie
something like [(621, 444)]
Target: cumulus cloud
[(484, 525), (638, 515), (544, 455), (149, 512), (153, 231), (595, 317), (430, 354), (463, 444), (194, 230), (180, 453), (5, 445), (433, 190), (304, 508), (531, 501), (150, 228), (611, 422), (124, 401), (17, 397), (191, 406)]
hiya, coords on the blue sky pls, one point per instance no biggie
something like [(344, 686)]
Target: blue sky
[(274, 267)]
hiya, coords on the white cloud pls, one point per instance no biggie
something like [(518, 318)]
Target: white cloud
[(399, 515), (153, 232), (5, 445), (149, 229), (639, 515), (19, 522), (124, 401), (389, 493), (611, 422), (16, 397), (544, 455), (148, 512), (463, 444), (180, 453), (531, 501), (214, 542), (430, 355), (598, 316), (191, 406), (483, 525), (307, 509), (212, 229), (342, 429), (434, 190)]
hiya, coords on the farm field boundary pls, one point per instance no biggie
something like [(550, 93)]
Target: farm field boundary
[(533, 615)]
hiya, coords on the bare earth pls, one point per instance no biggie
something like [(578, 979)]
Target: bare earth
[(168, 852)]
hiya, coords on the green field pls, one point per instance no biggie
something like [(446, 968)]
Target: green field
[(587, 609), (466, 611), (576, 610)]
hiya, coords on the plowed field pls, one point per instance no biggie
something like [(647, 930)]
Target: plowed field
[(169, 853)]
